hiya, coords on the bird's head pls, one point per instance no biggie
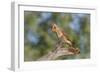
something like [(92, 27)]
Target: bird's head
[(54, 27)]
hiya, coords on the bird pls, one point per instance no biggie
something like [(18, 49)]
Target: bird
[(61, 34), (63, 37)]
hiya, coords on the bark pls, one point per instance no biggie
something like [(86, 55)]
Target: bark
[(60, 51)]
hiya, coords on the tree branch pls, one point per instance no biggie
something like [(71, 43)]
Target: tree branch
[(59, 51)]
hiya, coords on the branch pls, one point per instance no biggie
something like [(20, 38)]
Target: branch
[(57, 52)]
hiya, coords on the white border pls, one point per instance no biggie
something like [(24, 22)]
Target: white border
[(18, 23)]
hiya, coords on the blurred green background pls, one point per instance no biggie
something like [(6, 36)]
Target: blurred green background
[(39, 39)]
